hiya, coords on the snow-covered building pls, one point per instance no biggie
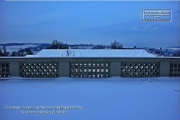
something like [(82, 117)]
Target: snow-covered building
[(92, 53)]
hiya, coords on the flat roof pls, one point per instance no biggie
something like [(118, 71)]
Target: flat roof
[(92, 53)]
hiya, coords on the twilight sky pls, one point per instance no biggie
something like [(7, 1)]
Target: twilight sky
[(88, 22)]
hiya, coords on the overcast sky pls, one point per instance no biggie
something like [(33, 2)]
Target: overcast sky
[(87, 22)]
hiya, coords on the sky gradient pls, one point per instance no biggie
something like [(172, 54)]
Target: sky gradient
[(88, 22)]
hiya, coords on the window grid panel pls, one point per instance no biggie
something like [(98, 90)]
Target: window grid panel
[(39, 70), (174, 69), (89, 70), (129, 69), (4, 70)]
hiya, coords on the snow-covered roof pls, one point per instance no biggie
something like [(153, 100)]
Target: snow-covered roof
[(92, 53), (30, 55)]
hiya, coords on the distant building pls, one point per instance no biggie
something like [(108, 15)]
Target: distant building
[(92, 53)]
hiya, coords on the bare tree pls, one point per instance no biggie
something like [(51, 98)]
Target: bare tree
[(3, 51), (116, 45), (58, 45)]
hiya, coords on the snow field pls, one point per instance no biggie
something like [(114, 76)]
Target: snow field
[(101, 99)]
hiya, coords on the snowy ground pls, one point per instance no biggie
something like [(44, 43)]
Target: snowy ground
[(98, 99)]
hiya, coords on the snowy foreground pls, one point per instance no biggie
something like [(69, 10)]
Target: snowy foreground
[(90, 99)]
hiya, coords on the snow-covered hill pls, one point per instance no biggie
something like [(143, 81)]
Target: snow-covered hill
[(17, 47), (35, 47)]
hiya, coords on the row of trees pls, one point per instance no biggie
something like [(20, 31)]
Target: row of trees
[(60, 45)]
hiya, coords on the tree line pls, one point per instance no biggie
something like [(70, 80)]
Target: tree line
[(54, 45), (60, 45)]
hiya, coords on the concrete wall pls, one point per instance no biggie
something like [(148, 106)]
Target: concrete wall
[(164, 69), (114, 64), (64, 69), (115, 69), (14, 69)]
